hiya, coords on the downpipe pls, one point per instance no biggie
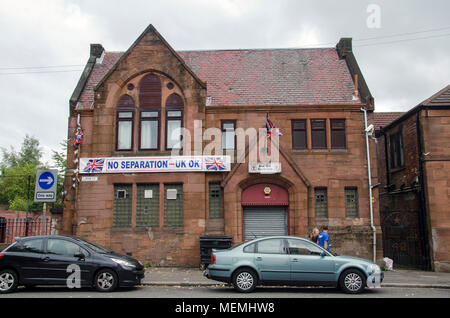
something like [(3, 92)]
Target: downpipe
[(369, 173)]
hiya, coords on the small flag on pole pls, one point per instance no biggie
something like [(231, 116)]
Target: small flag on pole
[(271, 129)]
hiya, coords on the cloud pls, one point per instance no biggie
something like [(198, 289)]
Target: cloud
[(41, 33)]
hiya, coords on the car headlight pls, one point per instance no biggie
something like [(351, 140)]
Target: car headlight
[(373, 268), (123, 263)]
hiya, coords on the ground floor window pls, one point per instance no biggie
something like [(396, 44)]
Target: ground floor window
[(351, 202), (173, 205), (215, 201), (147, 214), (321, 202), (122, 205)]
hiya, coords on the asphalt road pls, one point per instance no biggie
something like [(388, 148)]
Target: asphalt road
[(225, 292)]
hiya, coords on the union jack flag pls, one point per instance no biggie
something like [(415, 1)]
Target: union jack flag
[(94, 166), (271, 129), (214, 164)]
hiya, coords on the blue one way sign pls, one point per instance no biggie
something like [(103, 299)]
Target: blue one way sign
[(45, 190), (46, 180)]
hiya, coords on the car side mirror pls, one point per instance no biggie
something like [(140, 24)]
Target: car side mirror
[(323, 254), (80, 256)]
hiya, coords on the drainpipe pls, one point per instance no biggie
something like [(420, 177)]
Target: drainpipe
[(423, 209), (369, 173)]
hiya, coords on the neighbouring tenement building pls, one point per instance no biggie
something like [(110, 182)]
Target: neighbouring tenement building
[(128, 191), (414, 172)]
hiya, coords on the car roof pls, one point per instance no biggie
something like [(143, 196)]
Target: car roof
[(25, 238), (276, 237)]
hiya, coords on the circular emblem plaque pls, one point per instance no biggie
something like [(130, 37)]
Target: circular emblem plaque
[(267, 190)]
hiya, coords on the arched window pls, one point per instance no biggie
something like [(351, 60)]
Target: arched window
[(124, 123), (174, 121), (150, 112)]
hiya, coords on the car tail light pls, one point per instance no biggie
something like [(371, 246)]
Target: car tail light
[(213, 259), (2, 255)]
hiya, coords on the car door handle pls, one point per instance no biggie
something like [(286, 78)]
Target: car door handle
[(46, 259), (259, 259), (295, 260)]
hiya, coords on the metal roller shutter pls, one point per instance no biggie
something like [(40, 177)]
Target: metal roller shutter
[(264, 221)]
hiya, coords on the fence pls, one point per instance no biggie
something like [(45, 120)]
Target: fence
[(12, 228)]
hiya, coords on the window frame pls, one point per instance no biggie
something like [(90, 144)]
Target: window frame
[(315, 202), (224, 132), (117, 216), (332, 130), (220, 199), (141, 220), (180, 196), (356, 202), (150, 119), (313, 147), (173, 118), (293, 122), (396, 159), (118, 120)]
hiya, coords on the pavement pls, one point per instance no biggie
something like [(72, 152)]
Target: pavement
[(174, 276)]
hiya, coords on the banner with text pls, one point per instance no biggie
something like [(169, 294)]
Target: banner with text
[(155, 164)]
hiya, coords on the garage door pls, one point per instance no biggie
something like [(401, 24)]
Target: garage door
[(264, 221)]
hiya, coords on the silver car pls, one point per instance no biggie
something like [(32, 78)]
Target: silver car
[(287, 260)]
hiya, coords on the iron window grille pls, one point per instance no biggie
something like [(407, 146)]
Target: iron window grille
[(122, 206), (321, 202), (351, 202)]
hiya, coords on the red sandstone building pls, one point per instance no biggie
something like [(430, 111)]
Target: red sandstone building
[(128, 105), (414, 172)]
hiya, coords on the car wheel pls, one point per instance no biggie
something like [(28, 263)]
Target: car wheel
[(352, 281), (245, 280), (8, 281), (105, 281)]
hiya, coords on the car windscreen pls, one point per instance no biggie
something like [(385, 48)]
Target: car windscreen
[(94, 247)]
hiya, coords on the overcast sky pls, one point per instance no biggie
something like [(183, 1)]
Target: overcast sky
[(407, 62)]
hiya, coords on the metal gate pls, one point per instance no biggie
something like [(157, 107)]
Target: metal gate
[(265, 221), (402, 241)]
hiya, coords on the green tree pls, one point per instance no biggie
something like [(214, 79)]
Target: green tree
[(30, 153), (19, 174)]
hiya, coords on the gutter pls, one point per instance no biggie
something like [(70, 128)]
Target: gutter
[(369, 174)]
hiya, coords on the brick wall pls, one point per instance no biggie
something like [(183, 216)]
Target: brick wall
[(436, 141), (435, 130)]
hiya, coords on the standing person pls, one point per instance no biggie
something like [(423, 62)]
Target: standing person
[(324, 239), (314, 235)]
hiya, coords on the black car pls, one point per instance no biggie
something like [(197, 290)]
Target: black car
[(55, 260)]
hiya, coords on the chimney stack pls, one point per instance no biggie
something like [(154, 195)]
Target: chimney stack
[(344, 46), (97, 50)]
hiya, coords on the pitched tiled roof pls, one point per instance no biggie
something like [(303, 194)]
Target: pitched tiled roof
[(99, 71), (385, 118), (441, 98), (258, 77)]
